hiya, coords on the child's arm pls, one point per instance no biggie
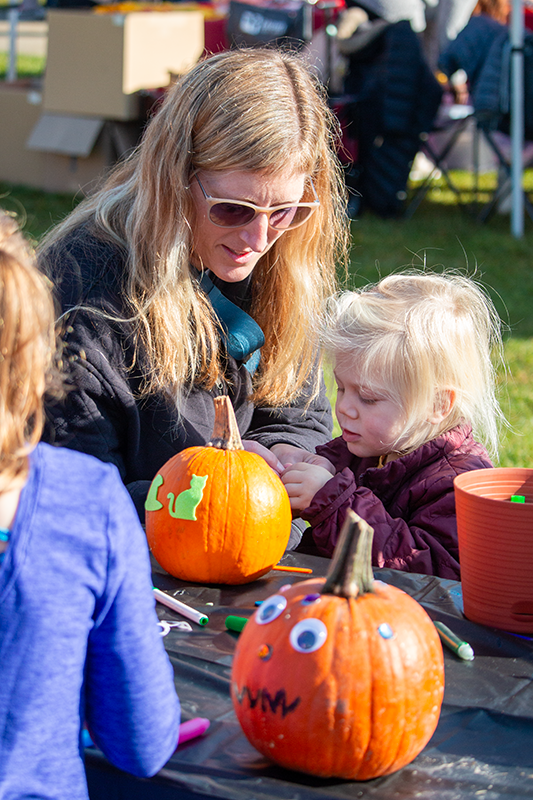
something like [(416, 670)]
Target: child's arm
[(423, 539), (132, 709)]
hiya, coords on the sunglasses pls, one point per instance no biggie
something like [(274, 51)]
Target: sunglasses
[(235, 213)]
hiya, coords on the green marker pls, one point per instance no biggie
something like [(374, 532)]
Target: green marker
[(236, 623), (518, 498), (454, 643)]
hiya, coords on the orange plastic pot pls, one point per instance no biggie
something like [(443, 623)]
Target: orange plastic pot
[(496, 547)]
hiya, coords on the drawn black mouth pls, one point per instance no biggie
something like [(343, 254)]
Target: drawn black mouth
[(266, 700)]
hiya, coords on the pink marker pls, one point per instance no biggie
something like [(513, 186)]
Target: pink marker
[(192, 728)]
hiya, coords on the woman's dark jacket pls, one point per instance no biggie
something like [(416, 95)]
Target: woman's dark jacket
[(103, 415)]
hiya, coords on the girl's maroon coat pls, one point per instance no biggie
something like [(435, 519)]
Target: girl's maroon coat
[(409, 502)]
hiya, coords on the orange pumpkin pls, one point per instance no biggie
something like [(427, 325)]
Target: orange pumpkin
[(218, 514), (340, 677)]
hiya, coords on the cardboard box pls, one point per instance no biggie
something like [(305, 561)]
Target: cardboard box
[(96, 62), (20, 113), (65, 135)]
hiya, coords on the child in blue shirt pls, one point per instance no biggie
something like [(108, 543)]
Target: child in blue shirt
[(79, 639)]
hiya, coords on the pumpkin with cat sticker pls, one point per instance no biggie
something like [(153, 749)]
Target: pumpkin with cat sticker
[(218, 514)]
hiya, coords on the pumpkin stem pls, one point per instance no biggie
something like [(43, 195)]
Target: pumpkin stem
[(350, 573), (226, 434)]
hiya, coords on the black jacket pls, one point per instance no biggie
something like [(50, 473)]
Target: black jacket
[(395, 98), (102, 414)]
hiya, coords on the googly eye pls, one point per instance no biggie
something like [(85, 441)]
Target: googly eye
[(385, 630), (310, 598), (308, 635), (270, 609), (265, 652)]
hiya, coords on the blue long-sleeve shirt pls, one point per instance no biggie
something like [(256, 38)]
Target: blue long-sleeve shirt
[(79, 638)]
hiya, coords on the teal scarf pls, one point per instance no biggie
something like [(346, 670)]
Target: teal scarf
[(243, 336)]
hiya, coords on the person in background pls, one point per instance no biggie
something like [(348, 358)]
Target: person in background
[(413, 368), (436, 21), (496, 9), (199, 268), (478, 54), (392, 98), (79, 639), (528, 15)]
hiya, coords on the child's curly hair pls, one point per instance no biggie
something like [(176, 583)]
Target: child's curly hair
[(27, 351)]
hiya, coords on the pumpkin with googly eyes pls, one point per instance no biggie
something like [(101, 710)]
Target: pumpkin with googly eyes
[(340, 676)]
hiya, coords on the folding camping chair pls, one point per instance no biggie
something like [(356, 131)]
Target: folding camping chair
[(451, 127), (483, 50), (503, 189), (470, 199)]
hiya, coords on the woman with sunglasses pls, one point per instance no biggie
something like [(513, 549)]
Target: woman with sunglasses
[(199, 268)]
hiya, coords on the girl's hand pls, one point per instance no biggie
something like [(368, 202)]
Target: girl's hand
[(288, 454), (302, 481)]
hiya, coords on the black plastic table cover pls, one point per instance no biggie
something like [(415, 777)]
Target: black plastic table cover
[(482, 748)]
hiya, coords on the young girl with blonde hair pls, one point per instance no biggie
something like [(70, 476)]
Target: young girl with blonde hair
[(79, 639), (198, 269), (415, 385)]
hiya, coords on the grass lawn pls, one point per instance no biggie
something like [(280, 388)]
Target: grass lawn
[(27, 66), (440, 234), (37, 211)]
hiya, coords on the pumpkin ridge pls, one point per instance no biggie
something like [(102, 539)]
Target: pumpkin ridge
[(207, 522), (327, 693), (262, 546), (224, 477), (189, 554), (244, 503), (396, 677), (426, 647), (361, 735), (350, 735), (404, 745)]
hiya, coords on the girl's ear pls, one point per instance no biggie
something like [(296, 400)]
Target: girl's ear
[(442, 406)]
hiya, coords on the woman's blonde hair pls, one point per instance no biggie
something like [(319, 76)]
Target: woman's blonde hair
[(27, 341), (261, 110), (417, 335)]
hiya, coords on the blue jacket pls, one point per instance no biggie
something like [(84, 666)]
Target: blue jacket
[(79, 635), (480, 50)]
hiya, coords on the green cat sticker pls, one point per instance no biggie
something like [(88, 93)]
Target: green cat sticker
[(152, 503), (184, 505), (187, 502)]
